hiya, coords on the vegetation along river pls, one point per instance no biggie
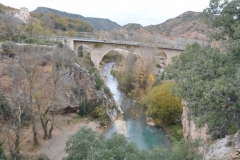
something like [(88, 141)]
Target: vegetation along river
[(133, 124)]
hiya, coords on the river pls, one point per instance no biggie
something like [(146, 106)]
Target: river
[(133, 124)]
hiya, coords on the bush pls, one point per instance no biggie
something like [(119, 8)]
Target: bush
[(99, 112), (80, 54), (99, 82), (2, 153), (2, 38), (162, 105), (107, 91), (87, 144), (158, 66), (30, 40), (97, 45), (87, 108)]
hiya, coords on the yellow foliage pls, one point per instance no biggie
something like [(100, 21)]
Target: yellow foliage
[(151, 81), (162, 105)]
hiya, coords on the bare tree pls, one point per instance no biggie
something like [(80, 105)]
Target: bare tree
[(10, 25), (52, 86)]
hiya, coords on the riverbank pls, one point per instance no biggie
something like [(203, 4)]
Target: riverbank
[(54, 148), (174, 131)]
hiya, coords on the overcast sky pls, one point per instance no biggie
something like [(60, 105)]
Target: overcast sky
[(144, 12)]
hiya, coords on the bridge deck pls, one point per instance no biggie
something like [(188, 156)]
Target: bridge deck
[(131, 43)]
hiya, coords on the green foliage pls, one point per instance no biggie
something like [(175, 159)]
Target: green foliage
[(80, 54), (99, 111), (2, 153), (175, 132), (2, 38), (42, 42), (97, 45), (62, 23), (162, 105), (99, 82), (224, 17), (125, 81), (87, 108), (158, 66), (107, 91), (4, 107), (206, 81), (19, 38), (9, 48), (89, 145), (112, 56)]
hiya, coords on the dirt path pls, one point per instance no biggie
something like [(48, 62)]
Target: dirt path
[(54, 148)]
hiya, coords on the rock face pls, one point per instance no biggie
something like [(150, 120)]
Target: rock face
[(227, 148), (190, 131), (83, 88), (219, 150)]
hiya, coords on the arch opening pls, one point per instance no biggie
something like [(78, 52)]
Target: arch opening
[(161, 59), (84, 51), (116, 52)]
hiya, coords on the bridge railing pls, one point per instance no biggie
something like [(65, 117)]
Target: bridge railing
[(132, 43)]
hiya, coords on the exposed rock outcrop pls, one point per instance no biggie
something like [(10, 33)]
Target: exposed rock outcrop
[(84, 88), (227, 148), (190, 131)]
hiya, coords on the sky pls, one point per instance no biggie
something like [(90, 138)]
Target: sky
[(144, 12)]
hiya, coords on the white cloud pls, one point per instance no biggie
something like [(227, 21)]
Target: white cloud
[(145, 12)]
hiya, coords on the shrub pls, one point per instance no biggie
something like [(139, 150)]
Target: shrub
[(87, 107), (99, 112), (107, 91), (80, 54), (97, 45), (30, 40), (158, 66), (2, 38), (87, 144), (162, 105), (99, 82)]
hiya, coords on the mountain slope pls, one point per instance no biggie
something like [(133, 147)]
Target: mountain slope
[(97, 23), (3, 7), (188, 24)]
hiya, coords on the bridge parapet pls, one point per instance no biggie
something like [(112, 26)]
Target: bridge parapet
[(131, 43)]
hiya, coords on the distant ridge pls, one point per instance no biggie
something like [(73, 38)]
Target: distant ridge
[(188, 25), (97, 23)]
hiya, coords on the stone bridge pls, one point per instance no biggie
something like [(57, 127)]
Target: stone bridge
[(98, 48)]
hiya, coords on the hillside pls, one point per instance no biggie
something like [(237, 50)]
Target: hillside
[(188, 25), (97, 23), (3, 7)]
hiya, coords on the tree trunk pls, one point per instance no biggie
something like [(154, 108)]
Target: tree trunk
[(17, 142), (50, 131), (35, 141), (238, 123), (44, 126)]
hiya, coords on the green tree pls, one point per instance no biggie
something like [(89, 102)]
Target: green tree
[(207, 82), (87, 144), (162, 105), (37, 29), (224, 16)]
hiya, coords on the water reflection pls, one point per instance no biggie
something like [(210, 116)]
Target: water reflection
[(133, 125)]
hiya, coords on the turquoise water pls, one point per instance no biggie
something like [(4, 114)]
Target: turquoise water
[(133, 124)]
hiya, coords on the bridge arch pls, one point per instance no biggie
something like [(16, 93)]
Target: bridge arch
[(83, 51), (162, 58), (123, 52)]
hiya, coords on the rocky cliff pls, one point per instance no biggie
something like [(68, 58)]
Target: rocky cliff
[(84, 84), (190, 131), (227, 148)]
